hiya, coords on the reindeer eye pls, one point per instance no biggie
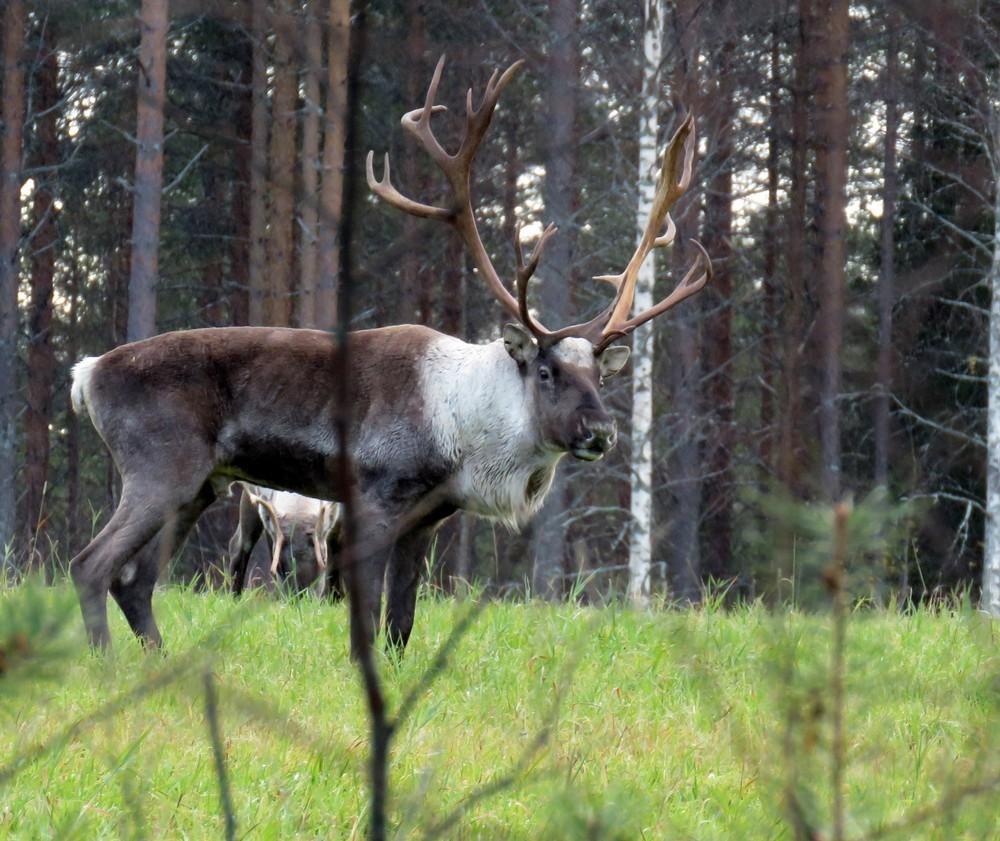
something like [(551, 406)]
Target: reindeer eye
[(544, 374)]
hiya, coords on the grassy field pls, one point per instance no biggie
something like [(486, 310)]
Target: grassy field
[(589, 723)]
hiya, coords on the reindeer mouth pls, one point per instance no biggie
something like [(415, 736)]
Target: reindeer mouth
[(587, 453)]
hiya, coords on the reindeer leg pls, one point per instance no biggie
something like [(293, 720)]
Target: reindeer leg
[(133, 587), (141, 513), (364, 572), (403, 580)]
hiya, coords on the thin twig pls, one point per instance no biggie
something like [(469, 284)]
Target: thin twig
[(215, 736)]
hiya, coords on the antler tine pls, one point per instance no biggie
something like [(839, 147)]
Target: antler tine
[(524, 273), (385, 190), (689, 285)]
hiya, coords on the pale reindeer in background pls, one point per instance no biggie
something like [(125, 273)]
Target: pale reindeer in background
[(301, 531)]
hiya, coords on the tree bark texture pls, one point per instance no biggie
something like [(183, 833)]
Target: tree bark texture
[(280, 256), (990, 598), (10, 235), (831, 137), (41, 355), (151, 87), (887, 252), (310, 166), (332, 190), (640, 557), (258, 168), (716, 300), (685, 467), (559, 194)]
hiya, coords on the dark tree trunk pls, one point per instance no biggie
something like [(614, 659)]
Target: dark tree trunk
[(310, 167), (238, 286), (414, 301), (332, 189), (258, 169), (685, 352), (886, 280), (768, 345), (41, 355), (832, 126), (10, 235), (719, 325), (150, 88), (794, 322), (278, 308), (549, 548)]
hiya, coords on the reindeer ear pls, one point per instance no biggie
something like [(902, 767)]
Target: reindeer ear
[(519, 343), (612, 360)]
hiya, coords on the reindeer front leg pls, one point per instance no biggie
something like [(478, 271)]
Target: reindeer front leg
[(403, 580)]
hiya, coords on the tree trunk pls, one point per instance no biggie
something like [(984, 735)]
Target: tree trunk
[(151, 86), (887, 273), (258, 168), (332, 190), (238, 286), (793, 329), (10, 235), (685, 368), (413, 298), (278, 305), (72, 420), (719, 324), (990, 599), (559, 194), (41, 355), (310, 165), (832, 30), (768, 348), (640, 554)]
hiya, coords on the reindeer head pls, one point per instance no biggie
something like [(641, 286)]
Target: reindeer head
[(563, 368)]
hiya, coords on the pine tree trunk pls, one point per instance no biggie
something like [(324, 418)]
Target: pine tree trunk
[(719, 324), (640, 555), (151, 86), (41, 355), (887, 273), (72, 420), (413, 297), (258, 169), (791, 456), (278, 305), (238, 285), (832, 126), (559, 194), (768, 345), (10, 235), (332, 190), (685, 469), (310, 166)]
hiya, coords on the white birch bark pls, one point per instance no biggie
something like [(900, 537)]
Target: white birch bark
[(990, 600), (641, 535)]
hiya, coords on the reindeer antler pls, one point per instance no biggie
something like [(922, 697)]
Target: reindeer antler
[(615, 320)]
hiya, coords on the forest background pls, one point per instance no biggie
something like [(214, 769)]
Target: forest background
[(845, 188)]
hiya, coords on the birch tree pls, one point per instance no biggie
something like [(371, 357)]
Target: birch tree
[(640, 555), (990, 600), (148, 170)]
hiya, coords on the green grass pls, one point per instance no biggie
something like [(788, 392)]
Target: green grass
[(665, 724)]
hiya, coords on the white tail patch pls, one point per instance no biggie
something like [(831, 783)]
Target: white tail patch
[(83, 371)]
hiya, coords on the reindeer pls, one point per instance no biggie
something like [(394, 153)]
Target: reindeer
[(302, 533), (435, 424)]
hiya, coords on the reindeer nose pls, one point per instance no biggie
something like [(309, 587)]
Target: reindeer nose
[(597, 438)]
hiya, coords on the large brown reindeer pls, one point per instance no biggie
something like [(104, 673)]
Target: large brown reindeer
[(436, 424)]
